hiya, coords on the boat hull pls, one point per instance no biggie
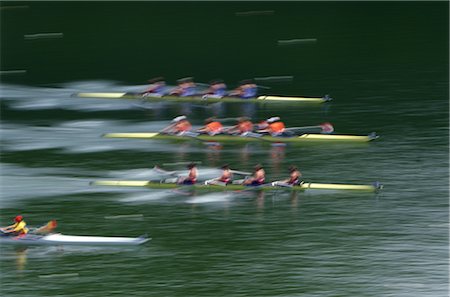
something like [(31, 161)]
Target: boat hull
[(236, 187), (60, 239), (200, 99), (233, 138)]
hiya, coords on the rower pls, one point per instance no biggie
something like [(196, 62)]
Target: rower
[(258, 177), (217, 89), (186, 87), (243, 126), (261, 125), (157, 88), (295, 178), (211, 127), (247, 89), (224, 179), (192, 175), (19, 228), (275, 127), (179, 126)]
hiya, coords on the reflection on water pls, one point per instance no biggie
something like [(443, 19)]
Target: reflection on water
[(277, 156), (21, 258)]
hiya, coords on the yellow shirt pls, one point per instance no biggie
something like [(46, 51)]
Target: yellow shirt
[(20, 227)]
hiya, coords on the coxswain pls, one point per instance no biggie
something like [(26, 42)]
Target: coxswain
[(178, 126), (247, 89), (19, 228), (192, 175), (275, 127), (157, 88), (212, 127), (258, 177), (243, 126), (186, 87), (217, 89)]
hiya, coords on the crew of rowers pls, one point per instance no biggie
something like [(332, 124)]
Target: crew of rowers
[(244, 127), (257, 179), (187, 87)]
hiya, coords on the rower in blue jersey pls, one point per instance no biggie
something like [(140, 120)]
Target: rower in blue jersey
[(247, 89), (186, 87), (157, 87), (217, 89)]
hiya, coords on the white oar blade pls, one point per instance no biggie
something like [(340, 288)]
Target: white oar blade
[(327, 128)]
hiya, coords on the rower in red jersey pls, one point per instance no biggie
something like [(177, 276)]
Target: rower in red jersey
[(295, 178), (225, 179), (258, 178), (192, 175)]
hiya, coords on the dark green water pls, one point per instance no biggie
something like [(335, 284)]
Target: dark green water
[(386, 66)]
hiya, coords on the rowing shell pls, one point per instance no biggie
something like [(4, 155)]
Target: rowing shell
[(197, 99), (60, 239), (234, 187), (231, 138)]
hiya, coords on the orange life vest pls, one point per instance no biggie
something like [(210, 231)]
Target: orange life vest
[(214, 127), (245, 126), (277, 127), (182, 126)]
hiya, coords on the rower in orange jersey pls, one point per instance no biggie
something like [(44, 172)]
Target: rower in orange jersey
[(243, 126), (192, 175), (179, 126), (211, 127), (258, 178), (275, 127)]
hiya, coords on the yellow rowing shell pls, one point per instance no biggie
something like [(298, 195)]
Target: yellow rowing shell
[(233, 187), (237, 138), (259, 99)]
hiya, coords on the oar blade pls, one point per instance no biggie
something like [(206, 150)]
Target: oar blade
[(47, 228), (327, 128)]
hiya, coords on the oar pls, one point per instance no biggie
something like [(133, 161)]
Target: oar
[(257, 136), (182, 163), (240, 172), (326, 128), (227, 119), (47, 228), (253, 188), (215, 181), (159, 170), (163, 131), (190, 134)]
